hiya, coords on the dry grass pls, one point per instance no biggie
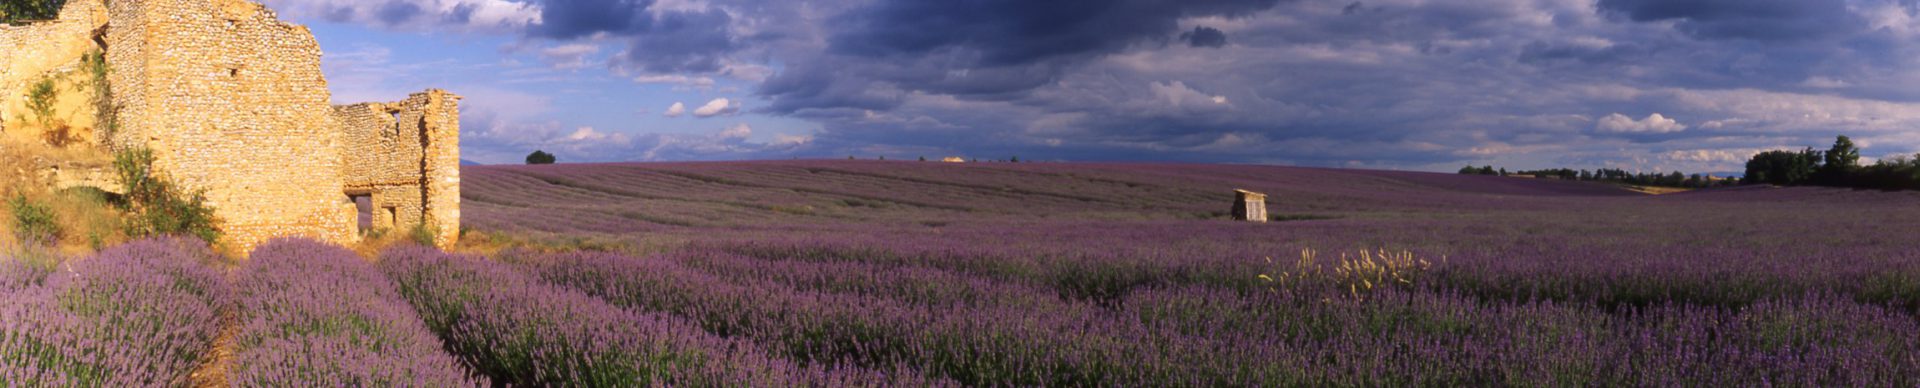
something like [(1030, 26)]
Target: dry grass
[(1657, 190), (491, 243), (1357, 274), (86, 220)]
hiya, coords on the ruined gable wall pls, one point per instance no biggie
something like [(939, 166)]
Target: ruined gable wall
[(406, 156), (232, 101), (32, 52)]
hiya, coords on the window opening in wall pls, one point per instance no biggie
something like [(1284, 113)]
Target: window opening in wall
[(387, 217), (363, 204)]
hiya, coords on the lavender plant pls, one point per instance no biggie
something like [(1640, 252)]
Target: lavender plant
[(521, 331), (314, 314), (139, 314)]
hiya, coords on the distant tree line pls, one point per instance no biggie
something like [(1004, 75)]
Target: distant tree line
[(1838, 166), (1674, 179)]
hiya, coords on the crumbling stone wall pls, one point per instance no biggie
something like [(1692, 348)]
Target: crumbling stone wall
[(32, 52), (231, 100), (406, 157)]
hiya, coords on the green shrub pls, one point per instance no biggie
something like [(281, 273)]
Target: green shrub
[(423, 235), (157, 206), (33, 222), (104, 118), (40, 98)]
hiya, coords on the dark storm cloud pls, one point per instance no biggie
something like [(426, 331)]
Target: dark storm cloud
[(1745, 19), (1429, 84), (1015, 32), (398, 12), (1203, 36), (979, 50), (658, 42), (691, 42), (807, 86), (1540, 52), (568, 19)]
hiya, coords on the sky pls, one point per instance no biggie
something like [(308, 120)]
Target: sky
[(1644, 85)]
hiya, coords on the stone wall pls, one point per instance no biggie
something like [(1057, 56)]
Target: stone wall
[(232, 101), (1249, 206), (49, 49), (406, 157)]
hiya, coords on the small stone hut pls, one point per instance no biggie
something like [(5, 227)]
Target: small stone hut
[(1249, 206)]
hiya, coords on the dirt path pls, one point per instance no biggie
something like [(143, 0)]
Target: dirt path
[(213, 372)]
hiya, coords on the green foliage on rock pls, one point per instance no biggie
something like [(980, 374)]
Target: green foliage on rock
[(32, 222), (40, 98), (105, 118), (158, 206)]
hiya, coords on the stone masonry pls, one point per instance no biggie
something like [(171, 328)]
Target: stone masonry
[(32, 52), (232, 101), (405, 156), (1249, 206)]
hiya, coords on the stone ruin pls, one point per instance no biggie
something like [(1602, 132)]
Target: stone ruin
[(1249, 206), (232, 101)]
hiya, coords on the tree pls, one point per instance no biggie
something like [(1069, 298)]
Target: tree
[(1840, 161), (1016, 159), (1781, 167), (540, 157), (923, 158)]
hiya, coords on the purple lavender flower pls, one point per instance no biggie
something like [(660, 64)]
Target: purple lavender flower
[(314, 314)]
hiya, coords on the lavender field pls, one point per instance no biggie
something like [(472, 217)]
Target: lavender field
[(866, 273), (1131, 274)]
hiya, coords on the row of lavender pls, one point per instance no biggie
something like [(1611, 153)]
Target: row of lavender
[(981, 331), (311, 314), (1730, 266), (523, 331), (314, 314), (139, 314)]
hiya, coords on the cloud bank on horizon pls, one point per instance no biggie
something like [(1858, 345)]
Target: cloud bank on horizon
[(1694, 85)]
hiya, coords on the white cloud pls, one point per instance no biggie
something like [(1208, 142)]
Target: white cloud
[(737, 131), (1178, 94), (681, 80), (677, 109), (1654, 123), (791, 140), (717, 107), (588, 134), (569, 56), (1824, 83), (466, 15)]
